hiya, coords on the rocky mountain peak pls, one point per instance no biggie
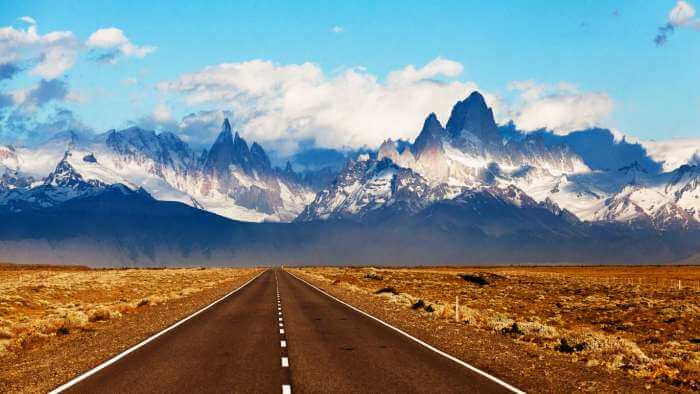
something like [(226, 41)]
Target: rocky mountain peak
[(259, 158), (474, 116), (65, 175), (430, 136), (226, 126), (233, 149), (221, 153)]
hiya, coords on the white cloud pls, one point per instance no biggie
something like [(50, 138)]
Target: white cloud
[(27, 19), (161, 113), (115, 42), (674, 152), (337, 29), (561, 108), (286, 104), (438, 67), (52, 54), (683, 15)]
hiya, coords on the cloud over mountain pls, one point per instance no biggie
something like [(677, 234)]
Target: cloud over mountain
[(561, 108), (297, 102)]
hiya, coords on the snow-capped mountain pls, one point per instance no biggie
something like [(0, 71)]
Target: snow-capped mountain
[(590, 175), (571, 174), (366, 186), (76, 175), (229, 179)]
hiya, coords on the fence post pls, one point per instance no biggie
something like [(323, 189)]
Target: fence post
[(457, 309)]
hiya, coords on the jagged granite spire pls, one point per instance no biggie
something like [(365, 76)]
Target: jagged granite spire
[(474, 116), (429, 137), (221, 154), (231, 149), (259, 158)]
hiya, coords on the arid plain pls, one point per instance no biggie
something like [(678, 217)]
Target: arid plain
[(551, 329), (545, 329), (56, 322)]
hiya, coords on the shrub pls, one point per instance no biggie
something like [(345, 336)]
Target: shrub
[(474, 279)]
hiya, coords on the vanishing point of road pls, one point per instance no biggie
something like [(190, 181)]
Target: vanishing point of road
[(279, 334)]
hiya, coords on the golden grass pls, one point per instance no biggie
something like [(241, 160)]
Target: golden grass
[(39, 303), (635, 319)]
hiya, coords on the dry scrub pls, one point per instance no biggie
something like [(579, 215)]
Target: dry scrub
[(632, 319), (43, 304)]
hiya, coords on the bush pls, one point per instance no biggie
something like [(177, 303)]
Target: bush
[(475, 279), (418, 304)]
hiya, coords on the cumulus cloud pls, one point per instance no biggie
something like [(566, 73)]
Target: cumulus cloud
[(285, 104), (50, 55), (111, 42), (199, 128), (29, 100), (681, 15), (18, 127), (561, 108)]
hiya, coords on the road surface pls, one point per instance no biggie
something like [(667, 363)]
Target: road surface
[(279, 334)]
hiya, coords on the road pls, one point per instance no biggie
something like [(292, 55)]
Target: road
[(278, 334)]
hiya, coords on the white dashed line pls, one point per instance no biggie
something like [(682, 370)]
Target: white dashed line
[(286, 388)]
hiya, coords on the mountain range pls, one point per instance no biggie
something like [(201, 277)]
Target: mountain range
[(468, 191)]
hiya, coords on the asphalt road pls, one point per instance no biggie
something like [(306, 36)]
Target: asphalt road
[(278, 334)]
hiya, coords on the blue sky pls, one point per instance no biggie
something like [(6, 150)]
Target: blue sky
[(585, 53)]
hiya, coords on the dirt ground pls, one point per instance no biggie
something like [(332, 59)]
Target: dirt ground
[(612, 329), (56, 322)]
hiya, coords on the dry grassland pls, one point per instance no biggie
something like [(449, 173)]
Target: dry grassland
[(642, 321), (53, 313)]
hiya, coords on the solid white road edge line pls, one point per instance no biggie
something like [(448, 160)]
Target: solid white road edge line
[(121, 355), (431, 347)]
